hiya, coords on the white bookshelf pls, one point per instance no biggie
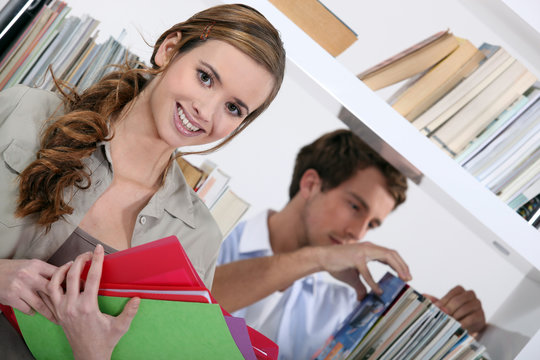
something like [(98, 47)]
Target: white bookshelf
[(445, 181)]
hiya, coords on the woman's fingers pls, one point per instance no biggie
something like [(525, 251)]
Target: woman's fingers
[(54, 288), (93, 278), (123, 321), (73, 277)]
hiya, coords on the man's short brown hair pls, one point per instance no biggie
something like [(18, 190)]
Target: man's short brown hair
[(337, 156)]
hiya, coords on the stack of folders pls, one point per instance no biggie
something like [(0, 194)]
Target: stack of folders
[(177, 318), (65, 43), (479, 105), (212, 185), (400, 324)]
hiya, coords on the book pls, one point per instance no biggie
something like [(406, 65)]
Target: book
[(25, 44), (203, 331), (410, 61), (361, 319), (530, 211), (526, 194), (215, 184), (438, 80), (14, 18), (470, 120), (191, 173), (493, 130), (510, 148), (497, 60), (321, 24), (228, 211)]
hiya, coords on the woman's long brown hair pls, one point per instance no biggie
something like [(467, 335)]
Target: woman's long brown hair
[(70, 138)]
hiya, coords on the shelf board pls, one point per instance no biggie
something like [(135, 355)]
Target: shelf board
[(403, 146)]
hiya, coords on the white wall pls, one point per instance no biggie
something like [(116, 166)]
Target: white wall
[(440, 250)]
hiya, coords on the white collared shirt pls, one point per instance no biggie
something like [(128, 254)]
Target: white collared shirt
[(299, 319)]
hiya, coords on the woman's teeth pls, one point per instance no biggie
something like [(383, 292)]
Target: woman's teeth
[(186, 122)]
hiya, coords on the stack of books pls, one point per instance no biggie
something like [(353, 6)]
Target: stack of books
[(66, 44), (400, 324), (479, 105), (212, 185), (177, 316)]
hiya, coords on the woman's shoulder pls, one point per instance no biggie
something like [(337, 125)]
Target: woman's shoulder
[(18, 95), (24, 110)]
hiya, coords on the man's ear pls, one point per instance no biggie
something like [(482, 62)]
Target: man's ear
[(164, 53), (310, 183)]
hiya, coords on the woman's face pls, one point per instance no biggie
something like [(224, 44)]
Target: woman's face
[(205, 93)]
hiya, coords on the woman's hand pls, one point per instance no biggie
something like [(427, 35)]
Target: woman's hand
[(91, 334), (21, 282)]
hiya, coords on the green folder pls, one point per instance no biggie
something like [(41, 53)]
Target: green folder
[(161, 330)]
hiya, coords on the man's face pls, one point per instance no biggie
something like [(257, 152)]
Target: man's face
[(344, 214)]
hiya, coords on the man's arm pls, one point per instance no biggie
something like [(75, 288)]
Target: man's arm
[(241, 283)]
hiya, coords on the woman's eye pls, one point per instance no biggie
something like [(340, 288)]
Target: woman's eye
[(233, 109), (205, 78)]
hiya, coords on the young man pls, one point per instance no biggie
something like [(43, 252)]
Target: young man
[(271, 266)]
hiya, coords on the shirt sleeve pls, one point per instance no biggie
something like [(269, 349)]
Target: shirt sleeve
[(229, 250)]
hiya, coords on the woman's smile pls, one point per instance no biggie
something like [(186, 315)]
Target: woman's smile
[(186, 126)]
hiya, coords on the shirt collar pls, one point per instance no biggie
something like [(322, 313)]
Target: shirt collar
[(175, 196), (256, 236)]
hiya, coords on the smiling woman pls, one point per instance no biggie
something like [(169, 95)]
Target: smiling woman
[(104, 178)]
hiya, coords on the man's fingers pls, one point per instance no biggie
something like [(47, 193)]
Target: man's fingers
[(364, 271), (387, 256), (396, 262), (452, 294)]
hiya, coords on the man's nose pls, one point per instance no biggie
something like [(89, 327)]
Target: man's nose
[(357, 229)]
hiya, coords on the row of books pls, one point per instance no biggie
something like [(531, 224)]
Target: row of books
[(211, 183), (66, 44), (400, 324), (479, 105)]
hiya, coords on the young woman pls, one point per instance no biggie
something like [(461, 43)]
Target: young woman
[(104, 178)]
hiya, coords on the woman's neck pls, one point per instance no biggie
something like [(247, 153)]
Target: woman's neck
[(137, 152)]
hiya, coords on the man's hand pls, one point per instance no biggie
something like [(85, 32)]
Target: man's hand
[(464, 306), (346, 262), (21, 282)]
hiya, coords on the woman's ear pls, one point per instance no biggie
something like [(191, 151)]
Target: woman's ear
[(164, 53), (310, 183)]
